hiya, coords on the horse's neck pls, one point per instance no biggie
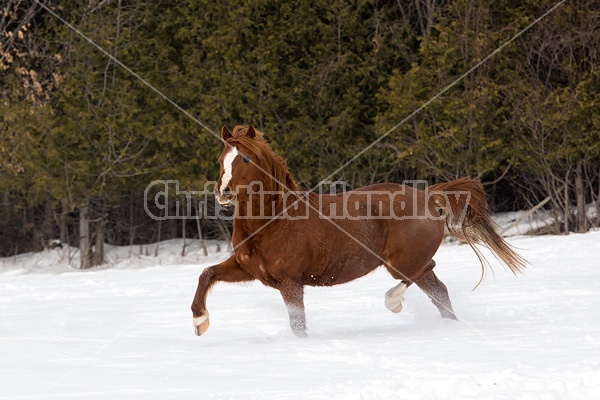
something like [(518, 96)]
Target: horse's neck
[(250, 216), (264, 206)]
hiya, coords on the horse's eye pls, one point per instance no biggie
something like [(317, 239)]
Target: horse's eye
[(246, 159)]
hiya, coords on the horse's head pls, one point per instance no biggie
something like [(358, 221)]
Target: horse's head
[(239, 164), (249, 164)]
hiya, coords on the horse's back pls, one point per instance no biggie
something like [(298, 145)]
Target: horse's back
[(371, 226), (413, 225)]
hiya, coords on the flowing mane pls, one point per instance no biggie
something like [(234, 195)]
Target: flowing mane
[(281, 178)]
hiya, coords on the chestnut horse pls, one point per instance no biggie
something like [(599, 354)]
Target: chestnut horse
[(287, 238)]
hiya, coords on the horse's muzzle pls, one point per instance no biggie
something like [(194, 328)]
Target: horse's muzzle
[(226, 199)]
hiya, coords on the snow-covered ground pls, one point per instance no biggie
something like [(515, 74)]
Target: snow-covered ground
[(125, 332)]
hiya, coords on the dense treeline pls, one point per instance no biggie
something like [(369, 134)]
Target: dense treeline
[(81, 138)]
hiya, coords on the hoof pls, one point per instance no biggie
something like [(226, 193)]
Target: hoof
[(396, 310), (201, 324), (300, 333), (394, 298)]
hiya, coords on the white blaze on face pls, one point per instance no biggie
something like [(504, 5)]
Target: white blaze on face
[(227, 168)]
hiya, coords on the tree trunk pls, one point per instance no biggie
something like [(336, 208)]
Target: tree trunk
[(39, 243), (566, 211), (183, 235), (173, 211), (158, 238), (49, 224), (200, 236), (61, 221), (580, 198), (85, 251), (556, 219), (132, 229), (98, 256), (598, 203)]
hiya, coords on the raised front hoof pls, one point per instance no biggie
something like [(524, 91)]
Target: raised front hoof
[(201, 324)]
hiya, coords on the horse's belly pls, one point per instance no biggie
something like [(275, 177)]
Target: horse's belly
[(338, 272)]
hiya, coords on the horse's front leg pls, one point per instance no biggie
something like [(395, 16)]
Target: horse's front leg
[(227, 271), (293, 296)]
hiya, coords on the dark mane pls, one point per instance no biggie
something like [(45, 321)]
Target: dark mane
[(281, 178)]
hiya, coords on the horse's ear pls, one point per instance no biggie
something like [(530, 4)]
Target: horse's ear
[(225, 134), (251, 132)]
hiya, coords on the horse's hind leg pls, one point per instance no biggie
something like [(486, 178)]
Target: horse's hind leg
[(437, 292), (395, 297), (293, 296)]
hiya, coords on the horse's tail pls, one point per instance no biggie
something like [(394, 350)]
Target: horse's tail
[(464, 207)]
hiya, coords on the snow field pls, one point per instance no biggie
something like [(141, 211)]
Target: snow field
[(125, 332)]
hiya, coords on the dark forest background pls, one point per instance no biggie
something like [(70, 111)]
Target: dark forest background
[(81, 138)]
